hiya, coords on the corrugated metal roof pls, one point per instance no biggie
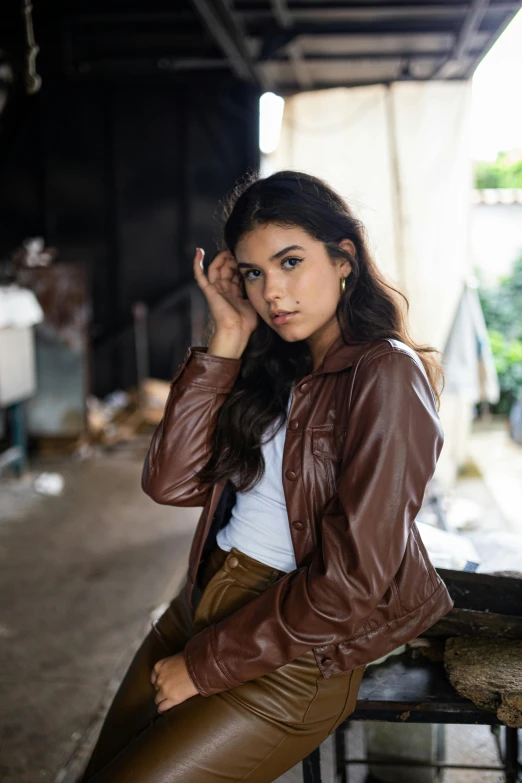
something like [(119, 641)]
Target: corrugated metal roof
[(282, 45), (356, 43)]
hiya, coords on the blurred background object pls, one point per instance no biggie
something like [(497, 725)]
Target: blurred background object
[(19, 313)]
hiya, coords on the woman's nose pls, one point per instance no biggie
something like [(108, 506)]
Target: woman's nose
[(274, 288)]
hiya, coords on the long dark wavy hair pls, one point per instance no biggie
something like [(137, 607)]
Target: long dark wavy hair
[(369, 309)]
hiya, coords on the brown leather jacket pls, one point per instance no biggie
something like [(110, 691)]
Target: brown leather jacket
[(362, 443)]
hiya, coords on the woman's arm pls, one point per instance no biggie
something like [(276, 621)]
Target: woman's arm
[(393, 441), (180, 445)]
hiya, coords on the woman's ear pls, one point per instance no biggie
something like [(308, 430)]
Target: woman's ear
[(348, 246)]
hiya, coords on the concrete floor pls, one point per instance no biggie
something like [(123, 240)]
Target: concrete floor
[(500, 460), (80, 575)]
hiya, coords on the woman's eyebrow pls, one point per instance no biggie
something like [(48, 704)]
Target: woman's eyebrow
[(284, 251), (274, 257)]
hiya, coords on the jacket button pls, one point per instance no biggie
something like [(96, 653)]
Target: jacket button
[(233, 561), (304, 387), (298, 525), (326, 660), (294, 424), (290, 475)]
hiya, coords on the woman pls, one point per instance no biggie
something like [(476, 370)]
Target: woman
[(308, 431)]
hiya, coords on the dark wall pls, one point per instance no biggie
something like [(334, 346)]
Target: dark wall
[(126, 178)]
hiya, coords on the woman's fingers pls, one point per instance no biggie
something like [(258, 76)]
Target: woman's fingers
[(224, 291), (223, 275), (166, 704), (219, 269), (155, 673), (199, 274), (229, 269), (222, 267)]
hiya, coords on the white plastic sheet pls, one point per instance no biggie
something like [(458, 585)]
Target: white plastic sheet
[(19, 308), (400, 157)]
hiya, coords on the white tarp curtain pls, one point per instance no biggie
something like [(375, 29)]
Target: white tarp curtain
[(399, 155)]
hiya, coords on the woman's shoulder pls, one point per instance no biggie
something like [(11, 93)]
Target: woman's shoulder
[(386, 346), (390, 362)]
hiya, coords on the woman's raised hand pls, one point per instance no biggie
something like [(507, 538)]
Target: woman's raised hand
[(234, 316)]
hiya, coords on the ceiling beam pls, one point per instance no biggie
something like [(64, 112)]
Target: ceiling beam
[(272, 44), (281, 13), (301, 70), (324, 12), (495, 35), (406, 26), (224, 29), (469, 27), (321, 12), (336, 59), (293, 49)]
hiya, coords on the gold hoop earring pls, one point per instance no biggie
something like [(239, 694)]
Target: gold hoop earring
[(343, 284)]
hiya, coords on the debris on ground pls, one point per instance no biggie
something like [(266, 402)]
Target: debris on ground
[(49, 483), (463, 513), (123, 415), (154, 398)]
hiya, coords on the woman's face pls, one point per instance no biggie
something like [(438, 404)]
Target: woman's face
[(286, 269)]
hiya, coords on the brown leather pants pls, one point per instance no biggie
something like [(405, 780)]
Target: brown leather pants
[(253, 732)]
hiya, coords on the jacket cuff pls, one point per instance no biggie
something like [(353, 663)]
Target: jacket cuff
[(207, 672), (216, 373)]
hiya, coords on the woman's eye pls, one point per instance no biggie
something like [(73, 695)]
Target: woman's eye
[(247, 275), (297, 261)]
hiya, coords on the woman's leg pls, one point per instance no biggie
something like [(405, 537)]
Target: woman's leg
[(133, 706), (221, 740), (254, 732)]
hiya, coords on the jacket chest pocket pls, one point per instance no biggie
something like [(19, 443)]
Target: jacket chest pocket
[(327, 449)]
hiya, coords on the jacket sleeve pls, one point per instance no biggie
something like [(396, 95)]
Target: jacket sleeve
[(392, 445), (180, 445)]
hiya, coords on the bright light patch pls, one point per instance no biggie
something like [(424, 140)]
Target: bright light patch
[(271, 108), (496, 116)]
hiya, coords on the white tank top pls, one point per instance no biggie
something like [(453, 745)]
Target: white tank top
[(259, 524)]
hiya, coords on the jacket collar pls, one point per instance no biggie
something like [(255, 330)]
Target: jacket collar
[(341, 355)]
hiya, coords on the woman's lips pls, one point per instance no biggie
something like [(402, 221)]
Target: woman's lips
[(282, 319)]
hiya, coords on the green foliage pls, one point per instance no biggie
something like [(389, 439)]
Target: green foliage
[(498, 174), (508, 362), (502, 307)]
